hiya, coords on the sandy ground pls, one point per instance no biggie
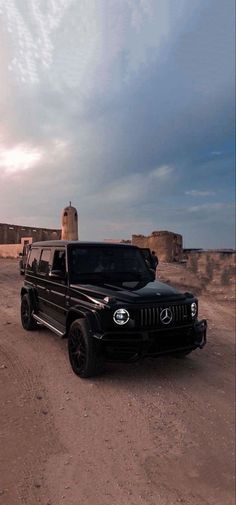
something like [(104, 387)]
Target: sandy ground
[(159, 432)]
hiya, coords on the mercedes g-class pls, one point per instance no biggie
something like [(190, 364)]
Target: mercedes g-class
[(106, 301)]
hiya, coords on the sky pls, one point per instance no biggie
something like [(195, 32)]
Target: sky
[(126, 109)]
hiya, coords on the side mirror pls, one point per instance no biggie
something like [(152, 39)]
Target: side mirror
[(20, 255), (152, 274)]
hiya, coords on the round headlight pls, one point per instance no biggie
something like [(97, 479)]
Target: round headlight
[(121, 316), (193, 309)]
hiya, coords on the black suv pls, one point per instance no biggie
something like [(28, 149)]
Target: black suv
[(106, 301)]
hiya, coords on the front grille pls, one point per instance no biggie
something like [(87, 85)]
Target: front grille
[(150, 316)]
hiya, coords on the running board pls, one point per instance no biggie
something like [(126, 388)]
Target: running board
[(48, 325)]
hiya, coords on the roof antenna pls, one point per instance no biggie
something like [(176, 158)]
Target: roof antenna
[(70, 204)]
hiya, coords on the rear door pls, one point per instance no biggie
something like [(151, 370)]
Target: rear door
[(43, 287)]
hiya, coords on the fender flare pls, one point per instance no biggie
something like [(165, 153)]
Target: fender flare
[(25, 290), (89, 318)]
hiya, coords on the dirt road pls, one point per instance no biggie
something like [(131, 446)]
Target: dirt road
[(159, 432)]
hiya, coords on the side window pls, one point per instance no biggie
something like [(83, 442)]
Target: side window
[(44, 261), (59, 260), (33, 260)]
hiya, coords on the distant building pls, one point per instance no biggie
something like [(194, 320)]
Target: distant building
[(167, 245), (13, 234), (69, 223)]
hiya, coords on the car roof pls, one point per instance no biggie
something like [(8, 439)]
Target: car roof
[(65, 243)]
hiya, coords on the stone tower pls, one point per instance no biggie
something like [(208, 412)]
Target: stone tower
[(69, 223)]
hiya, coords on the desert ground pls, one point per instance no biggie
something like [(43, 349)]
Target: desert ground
[(158, 432)]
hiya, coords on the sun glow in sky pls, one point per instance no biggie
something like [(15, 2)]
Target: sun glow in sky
[(19, 158)]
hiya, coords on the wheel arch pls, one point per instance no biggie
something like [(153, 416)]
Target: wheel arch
[(32, 296), (87, 316)]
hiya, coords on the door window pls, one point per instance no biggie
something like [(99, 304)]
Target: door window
[(33, 260), (44, 261), (59, 261), (59, 264)]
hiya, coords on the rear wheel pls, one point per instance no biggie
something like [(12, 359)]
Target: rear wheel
[(27, 320), (83, 353)]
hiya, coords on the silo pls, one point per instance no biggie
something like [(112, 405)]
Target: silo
[(69, 223)]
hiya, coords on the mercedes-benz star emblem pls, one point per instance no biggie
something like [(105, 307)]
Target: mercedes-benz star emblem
[(166, 316)]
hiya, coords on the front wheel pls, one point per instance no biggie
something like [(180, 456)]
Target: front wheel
[(83, 353), (27, 320)]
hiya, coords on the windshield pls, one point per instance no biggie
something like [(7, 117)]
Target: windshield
[(89, 264)]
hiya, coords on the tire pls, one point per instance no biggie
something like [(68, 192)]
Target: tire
[(27, 320), (83, 353)]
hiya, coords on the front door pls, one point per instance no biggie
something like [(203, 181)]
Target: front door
[(58, 286)]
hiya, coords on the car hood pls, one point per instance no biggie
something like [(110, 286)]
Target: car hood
[(130, 292)]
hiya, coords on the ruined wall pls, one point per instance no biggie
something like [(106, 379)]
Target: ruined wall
[(216, 266), (167, 245), (12, 234), (10, 250)]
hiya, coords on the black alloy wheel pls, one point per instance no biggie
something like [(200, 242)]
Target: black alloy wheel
[(27, 320), (82, 350)]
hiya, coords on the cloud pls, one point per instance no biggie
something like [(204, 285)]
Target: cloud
[(162, 173), (18, 158), (195, 192), (134, 189), (213, 207), (128, 104)]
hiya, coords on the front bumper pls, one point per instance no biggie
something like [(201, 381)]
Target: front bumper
[(132, 345)]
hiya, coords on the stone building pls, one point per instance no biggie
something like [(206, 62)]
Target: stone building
[(13, 238), (167, 245), (13, 234), (69, 223)]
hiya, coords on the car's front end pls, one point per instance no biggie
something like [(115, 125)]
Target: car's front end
[(152, 329), (153, 319)]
